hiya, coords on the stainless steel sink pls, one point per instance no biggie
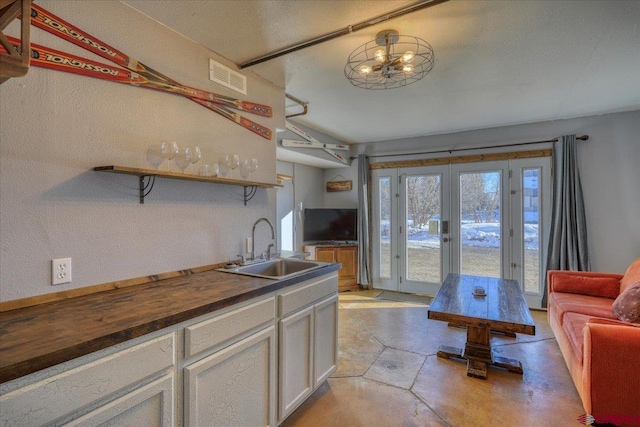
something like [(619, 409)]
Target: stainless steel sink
[(278, 269)]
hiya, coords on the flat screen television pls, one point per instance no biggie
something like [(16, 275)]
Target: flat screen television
[(335, 225)]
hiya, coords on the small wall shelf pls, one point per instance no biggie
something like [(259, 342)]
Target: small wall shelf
[(15, 63), (147, 177)]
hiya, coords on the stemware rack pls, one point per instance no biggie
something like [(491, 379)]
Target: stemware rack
[(147, 177)]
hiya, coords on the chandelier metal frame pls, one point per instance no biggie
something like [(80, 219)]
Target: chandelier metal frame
[(389, 61)]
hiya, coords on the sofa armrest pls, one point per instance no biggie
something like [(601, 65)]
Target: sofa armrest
[(611, 378), (605, 285)]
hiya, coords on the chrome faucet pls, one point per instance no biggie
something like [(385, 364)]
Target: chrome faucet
[(253, 235), (271, 245)]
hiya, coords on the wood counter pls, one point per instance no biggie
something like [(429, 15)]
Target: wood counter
[(37, 337)]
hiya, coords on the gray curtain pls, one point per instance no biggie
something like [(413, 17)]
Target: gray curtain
[(568, 248), (364, 276)]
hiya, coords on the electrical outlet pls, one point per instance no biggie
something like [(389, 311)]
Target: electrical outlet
[(249, 242), (60, 271)]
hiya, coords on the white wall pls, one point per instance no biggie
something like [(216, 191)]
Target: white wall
[(610, 176), (307, 188), (308, 184), (609, 168), (341, 199), (55, 127)]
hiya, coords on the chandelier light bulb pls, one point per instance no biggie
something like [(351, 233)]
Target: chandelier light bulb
[(407, 69), (365, 70), (380, 55), (407, 57)]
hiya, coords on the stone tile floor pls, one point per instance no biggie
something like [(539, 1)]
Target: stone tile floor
[(389, 375)]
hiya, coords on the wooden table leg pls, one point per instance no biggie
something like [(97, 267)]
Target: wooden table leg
[(477, 351), (511, 365), (478, 354), (476, 369), (446, 352)]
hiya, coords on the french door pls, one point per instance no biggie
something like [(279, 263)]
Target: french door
[(486, 218), (530, 207), (410, 219), (480, 228)]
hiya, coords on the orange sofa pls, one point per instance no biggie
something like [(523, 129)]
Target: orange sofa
[(601, 352)]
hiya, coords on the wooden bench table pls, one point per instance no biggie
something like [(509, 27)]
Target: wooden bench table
[(502, 309)]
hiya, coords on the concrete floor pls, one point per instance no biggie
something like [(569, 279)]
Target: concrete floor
[(389, 375)]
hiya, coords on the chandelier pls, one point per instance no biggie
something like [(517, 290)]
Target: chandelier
[(389, 61)]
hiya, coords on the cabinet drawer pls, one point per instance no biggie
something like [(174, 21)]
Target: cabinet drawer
[(307, 293), (237, 323), (62, 394), (150, 405)]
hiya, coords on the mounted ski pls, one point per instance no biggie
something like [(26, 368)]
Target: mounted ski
[(54, 59), (310, 144), (51, 23), (246, 123), (337, 156), (295, 129), (313, 143)]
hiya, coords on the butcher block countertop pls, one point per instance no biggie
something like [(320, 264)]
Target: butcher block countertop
[(44, 335)]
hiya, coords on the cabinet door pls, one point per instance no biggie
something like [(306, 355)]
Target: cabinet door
[(326, 254), (235, 386), (149, 405), (348, 256), (296, 360), (325, 339)]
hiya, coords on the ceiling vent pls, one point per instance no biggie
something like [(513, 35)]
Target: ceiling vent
[(225, 76)]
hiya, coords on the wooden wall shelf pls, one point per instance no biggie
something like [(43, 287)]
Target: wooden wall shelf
[(15, 63), (147, 179)]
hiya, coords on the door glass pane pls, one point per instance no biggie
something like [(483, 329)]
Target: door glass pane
[(531, 229), (384, 185), (423, 195), (480, 216)]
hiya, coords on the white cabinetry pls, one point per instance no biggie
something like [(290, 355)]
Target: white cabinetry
[(235, 367), (236, 385), (326, 339), (296, 360), (90, 386), (308, 332)]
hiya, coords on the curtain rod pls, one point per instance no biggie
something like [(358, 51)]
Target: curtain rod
[(453, 150)]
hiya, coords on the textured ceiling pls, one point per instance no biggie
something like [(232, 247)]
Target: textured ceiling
[(497, 62)]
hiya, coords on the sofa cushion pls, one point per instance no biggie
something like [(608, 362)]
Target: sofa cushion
[(554, 309), (631, 276), (573, 324), (582, 304), (587, 283), (627, 306), (601, 321)]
